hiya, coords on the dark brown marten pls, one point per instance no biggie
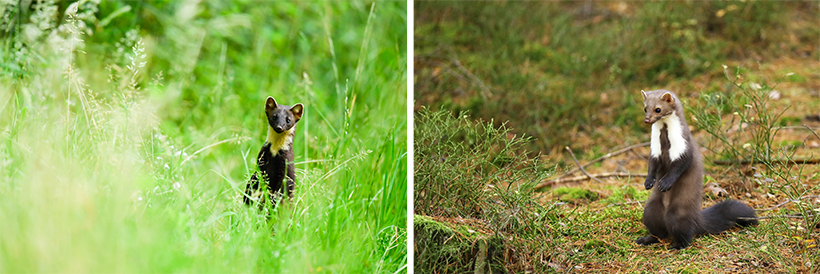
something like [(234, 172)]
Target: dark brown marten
[(275, 160), (676, 166)]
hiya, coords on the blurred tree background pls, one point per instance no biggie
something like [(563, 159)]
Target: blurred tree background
[(570, 72)]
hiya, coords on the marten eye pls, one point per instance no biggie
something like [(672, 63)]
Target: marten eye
[(658, 110), (644, 109), (288, 120)]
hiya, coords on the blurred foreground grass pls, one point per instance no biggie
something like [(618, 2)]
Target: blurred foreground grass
[(128, 130)]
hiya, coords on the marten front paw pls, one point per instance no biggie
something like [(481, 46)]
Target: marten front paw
[(665, 184), (649, 183)]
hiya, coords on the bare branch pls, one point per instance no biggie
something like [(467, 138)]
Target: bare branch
[(789, 201), (579, 165), (812, 131), (626, 203), (584, 177), (774, 216), (804, 161), (607, 156)]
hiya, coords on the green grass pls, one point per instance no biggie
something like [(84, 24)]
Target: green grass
[(111, 168), (462, 203), (577, 67)]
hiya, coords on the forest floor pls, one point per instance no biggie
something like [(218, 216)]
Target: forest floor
[(590, 226)]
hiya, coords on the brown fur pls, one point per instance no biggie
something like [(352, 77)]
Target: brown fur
[(673, 209)]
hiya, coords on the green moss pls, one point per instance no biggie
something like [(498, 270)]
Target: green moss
[(455, 248), (599, 246), (627, 192), (796, 78), (789, 121), (790, 144), (574, 194)]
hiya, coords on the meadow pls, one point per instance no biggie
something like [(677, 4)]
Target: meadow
[(129, 130), (512, 98)]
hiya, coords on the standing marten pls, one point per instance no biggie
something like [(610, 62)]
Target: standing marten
[(676, 166), (275, 160)]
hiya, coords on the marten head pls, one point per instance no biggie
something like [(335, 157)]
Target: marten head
[(281, 117), (658, 104)]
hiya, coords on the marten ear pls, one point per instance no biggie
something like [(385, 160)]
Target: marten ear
[(270, 104), (643, 93), (297, 111), (667, 97)]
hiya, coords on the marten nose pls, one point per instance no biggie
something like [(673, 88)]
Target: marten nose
[(278, 128)]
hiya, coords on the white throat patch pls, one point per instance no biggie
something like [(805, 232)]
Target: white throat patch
[(279, 140), (674, 130)]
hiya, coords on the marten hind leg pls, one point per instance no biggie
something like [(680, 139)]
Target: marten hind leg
[(647, 240), (251, 190), (290, 184), (682, 229), (654, 222)]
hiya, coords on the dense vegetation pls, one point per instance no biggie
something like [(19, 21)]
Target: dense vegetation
[(515, 85), (129, 130), (569, 71)]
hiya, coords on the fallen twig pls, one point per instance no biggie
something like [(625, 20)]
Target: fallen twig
[(485, 91), (788, 201), (579, 165), (584, 177), (774, 216), (456, 68), (607, 156), (804, 161), (793, 127), (626, 203), (812, 131)]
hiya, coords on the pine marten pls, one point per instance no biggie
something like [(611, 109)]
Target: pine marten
[(676, 166), (275, 160)]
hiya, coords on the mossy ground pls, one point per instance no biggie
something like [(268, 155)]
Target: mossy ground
[(570, 75)]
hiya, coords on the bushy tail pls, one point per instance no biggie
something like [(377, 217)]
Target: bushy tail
[(726, 215)]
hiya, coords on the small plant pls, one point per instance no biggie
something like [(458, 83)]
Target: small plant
[(465, 168), (748, 137)]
